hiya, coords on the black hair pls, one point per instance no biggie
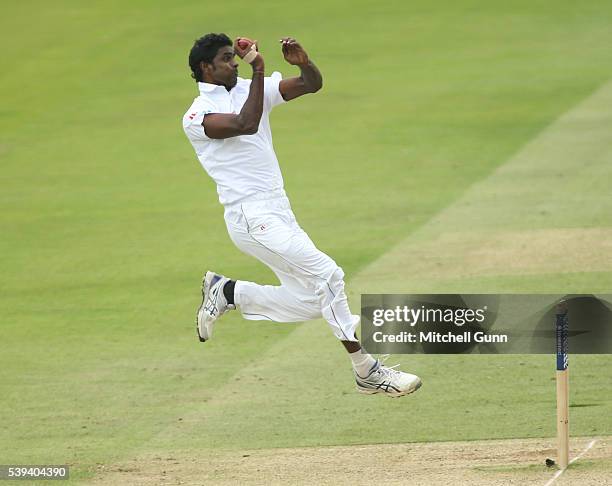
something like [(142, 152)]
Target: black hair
[(204, 50)]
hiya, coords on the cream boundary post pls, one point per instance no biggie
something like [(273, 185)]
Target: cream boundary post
[(561, 324)]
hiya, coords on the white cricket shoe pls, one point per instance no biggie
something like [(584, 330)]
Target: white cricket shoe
[(387, 380), (214, 304)]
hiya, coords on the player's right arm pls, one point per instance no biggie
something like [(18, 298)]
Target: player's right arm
[(226, 125)]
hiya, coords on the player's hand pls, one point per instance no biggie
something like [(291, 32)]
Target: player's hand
[(293, 52), (244, 45)]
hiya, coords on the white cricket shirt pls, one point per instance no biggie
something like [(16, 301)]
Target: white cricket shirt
[(242, 166)]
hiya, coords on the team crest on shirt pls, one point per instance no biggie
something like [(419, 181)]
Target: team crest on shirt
[(192, 116)]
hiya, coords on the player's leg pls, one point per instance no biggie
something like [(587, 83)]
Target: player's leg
[(287, 302)]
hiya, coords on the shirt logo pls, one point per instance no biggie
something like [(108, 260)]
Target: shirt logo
[(192, 116)]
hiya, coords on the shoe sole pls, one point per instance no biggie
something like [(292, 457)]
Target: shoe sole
[(205, 288), (368, 391)]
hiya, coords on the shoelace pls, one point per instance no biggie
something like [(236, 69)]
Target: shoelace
[(389, 371)]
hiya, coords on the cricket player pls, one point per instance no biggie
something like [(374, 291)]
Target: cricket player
[(229, 128)]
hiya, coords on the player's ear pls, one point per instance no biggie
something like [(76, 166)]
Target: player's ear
[(205, 67)]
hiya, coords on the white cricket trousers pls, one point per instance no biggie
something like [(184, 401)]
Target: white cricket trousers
[(311, 284)]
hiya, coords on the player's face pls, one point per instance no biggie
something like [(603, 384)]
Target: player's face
[(225, 68)]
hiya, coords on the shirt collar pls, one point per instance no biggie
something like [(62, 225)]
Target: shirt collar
[(208, 87)]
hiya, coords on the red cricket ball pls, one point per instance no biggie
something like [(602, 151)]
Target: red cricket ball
[(243, 43)]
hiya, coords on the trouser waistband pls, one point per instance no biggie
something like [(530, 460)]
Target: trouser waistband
[(259, 196)]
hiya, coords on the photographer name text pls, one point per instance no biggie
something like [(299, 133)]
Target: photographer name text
[(438, 337)]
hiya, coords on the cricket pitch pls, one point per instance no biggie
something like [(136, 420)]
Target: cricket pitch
[(489, 462)]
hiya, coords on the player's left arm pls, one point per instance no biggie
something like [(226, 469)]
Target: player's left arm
[(310, 79)]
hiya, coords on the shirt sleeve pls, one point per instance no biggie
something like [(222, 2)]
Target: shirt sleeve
[(272, 95), (192, 120)]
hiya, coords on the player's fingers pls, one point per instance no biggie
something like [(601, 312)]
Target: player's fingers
[(288, 41)]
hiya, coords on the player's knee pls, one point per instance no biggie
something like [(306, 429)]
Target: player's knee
[(333, 285), (336, 279)]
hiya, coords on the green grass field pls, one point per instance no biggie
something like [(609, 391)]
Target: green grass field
[(442, 135)]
